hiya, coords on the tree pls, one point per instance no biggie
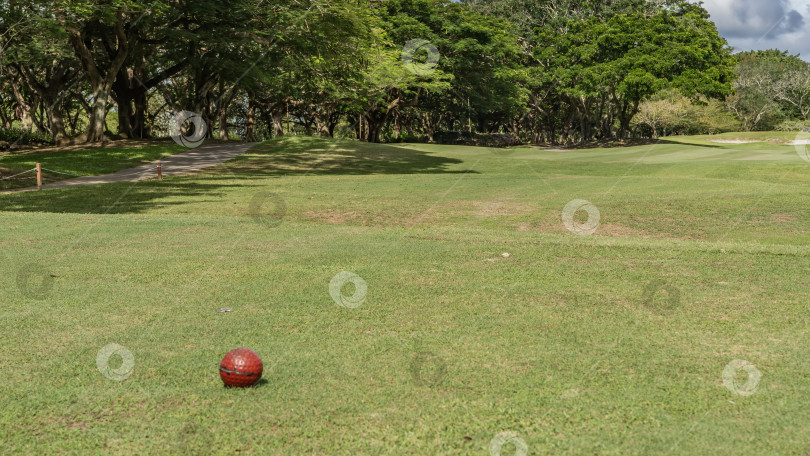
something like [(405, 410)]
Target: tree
[(541, 70), (793, 88), (36, 55), (664, 112), (769, 85), (100, 34)]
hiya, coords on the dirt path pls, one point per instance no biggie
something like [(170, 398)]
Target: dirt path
[(182, 163)]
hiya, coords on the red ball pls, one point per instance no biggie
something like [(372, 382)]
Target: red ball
[(241, 367)]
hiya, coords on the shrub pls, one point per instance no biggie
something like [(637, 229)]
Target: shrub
[(794, 125), (21, 137), (670, 113)]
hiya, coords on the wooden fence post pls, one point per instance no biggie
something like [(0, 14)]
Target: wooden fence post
[(160, 170), (39, 176)]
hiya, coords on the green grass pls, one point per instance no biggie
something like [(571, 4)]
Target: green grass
[(77, 161), (555, 342)]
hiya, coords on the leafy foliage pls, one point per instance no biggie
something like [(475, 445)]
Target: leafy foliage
[(772, 87), (559, 71)]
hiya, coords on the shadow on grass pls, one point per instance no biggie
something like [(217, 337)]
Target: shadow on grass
[(295, 156), (692, 144), (126, 198), (317, 156), (260, 384)]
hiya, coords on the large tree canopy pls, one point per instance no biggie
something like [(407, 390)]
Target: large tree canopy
[(539, 70)]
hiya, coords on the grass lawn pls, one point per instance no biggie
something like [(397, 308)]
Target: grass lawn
[(613, 343), (69, 162)]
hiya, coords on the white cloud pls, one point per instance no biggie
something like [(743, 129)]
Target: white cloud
[(767, 19), (763, 24)]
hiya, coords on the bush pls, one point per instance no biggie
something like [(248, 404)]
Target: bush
[(22, 137), (670, 113), (794, 125)]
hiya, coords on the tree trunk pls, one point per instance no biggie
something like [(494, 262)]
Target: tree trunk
[(322, 121), (250, 122), (24, 109), (374, 132), (54, 114), (226, 96), (323, 129), (139, 127), (278, 121), (334, 119), (204, 83), (130, 87), (397, 126), (223, 125), (95, 127), (126, 92), (375, 121), (125, 116), (565, 135), (626, 114), (6, 120), (430, 128)]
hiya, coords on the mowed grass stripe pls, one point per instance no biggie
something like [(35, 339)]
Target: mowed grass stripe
[(555, 341)]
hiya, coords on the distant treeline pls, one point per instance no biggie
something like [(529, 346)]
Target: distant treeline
[(488, 71)]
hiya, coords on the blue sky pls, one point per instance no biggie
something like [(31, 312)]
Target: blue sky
[(763, 24)]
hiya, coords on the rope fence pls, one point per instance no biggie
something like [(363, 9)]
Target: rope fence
[(60, 172), (18, 174), (38, 169)]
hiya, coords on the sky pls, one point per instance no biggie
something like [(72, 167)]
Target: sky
[(763, 24)]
